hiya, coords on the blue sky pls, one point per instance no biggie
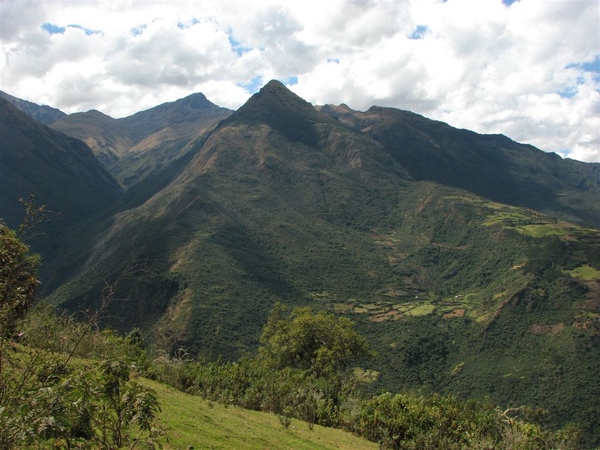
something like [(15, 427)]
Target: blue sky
[(57, 29), (529, 69)]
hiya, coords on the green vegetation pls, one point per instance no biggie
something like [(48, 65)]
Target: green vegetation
[(296, 387), (405, 422), (421, 310), (64, 384), (318, 342), (506, 215), (47, 400), (18, 282), (427, 282), (192, 421), (585, 272)]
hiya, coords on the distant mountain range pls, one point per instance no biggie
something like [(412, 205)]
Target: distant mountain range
[(151, 135), (471, 262)]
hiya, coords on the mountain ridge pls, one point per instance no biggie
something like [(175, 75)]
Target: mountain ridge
[(42, 113), (493, 166), (130, 146)]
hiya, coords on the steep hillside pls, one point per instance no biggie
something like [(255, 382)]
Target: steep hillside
[(108, 138), (246, 196), (61, 172), (492, 166), (489, 301), (192, 421)]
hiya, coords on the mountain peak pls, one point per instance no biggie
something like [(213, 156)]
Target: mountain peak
[(195, 102), (275, 85), (197, 96), (276, 94), (96, 114), (278, 107)]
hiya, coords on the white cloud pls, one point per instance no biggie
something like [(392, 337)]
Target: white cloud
[(528, 70), (16, 16)]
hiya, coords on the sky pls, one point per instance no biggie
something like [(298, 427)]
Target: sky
[(528, 69)]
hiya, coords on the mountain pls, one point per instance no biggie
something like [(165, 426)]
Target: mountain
[(186, 116), (108, 138), (44, 114), (134, 146), (492, 166), (61, 172), (465, 279), (247, 190)]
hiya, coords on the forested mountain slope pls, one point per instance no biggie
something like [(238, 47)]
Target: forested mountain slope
[(61, 173), (492, 166)]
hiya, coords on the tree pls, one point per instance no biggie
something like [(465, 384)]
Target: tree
[(321, 343), (18, 282), (115, 403), (45, 402)]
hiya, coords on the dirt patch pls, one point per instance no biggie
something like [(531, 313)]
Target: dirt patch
[(459, 312), (390, 315), (547, 329), (582, 325), (343, 308)]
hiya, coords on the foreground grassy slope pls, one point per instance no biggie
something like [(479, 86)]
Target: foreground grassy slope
[(192, 421)]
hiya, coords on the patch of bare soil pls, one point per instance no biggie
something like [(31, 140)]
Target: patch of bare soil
[(390, 315), (459, 312), (547, 329)]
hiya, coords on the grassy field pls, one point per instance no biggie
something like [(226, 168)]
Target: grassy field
[(585, 272), (191, 421)]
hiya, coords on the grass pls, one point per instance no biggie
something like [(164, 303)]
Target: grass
[(513, 215), (531, 223), (545, 229), (365, 375), (192, 421), (585, 272), (421, 310)]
